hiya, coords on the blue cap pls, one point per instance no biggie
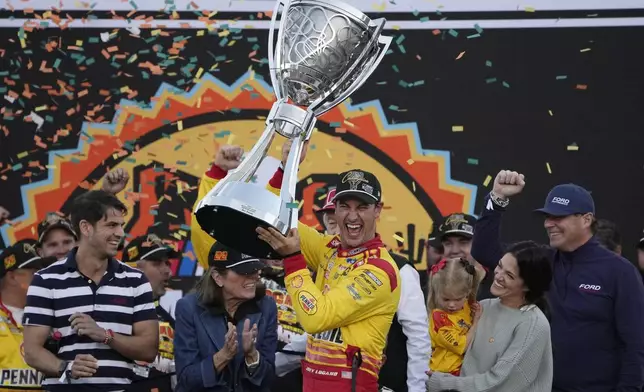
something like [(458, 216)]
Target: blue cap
[(568, 199)]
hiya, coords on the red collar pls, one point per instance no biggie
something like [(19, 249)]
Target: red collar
[(9, 314), (373, 243)]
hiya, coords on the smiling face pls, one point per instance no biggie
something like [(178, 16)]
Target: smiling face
[(357, 221), (508, 284), (104, 237), (236, 286), (568, 233), (57, 242)]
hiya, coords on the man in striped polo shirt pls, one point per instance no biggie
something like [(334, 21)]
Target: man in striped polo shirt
[(101, 309)]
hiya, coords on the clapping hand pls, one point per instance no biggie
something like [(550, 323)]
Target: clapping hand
[(230, 343), (249, 337)]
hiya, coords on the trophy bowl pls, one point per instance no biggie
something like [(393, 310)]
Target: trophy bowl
[(324, 51)]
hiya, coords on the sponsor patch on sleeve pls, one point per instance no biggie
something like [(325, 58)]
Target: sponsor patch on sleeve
[(388, 269), (307, 302)]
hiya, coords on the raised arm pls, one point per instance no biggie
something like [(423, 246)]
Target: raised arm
[(486, 244), (227, 158), (629, 320), (516, 369)]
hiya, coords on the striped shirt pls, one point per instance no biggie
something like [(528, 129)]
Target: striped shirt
[(122, 298)]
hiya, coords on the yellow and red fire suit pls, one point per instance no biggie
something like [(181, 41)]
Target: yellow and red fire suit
[(347, 310), (15, 374)]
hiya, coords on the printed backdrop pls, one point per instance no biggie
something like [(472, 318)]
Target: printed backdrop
[(156, 89)]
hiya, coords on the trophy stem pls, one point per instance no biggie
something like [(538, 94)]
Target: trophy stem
[(289, 213)]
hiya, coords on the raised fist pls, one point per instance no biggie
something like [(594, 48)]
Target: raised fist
[(115, 181), (228, 157), (508, 183), (286, 149)]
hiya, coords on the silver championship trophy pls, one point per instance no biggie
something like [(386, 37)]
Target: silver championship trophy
[(325, 50)]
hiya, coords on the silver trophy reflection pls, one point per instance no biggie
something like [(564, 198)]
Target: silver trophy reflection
[(325, 50)]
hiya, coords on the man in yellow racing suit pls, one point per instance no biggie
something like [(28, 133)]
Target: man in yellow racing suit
[(349, 309), (18, 263)]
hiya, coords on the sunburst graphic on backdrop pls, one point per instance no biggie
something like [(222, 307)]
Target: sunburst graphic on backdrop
[(167, 145)]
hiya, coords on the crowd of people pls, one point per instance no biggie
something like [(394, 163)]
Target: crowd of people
[(338, 311)]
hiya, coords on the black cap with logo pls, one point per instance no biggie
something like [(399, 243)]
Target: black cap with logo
[(22, 255), (148, 247), (457, 224), (54, 221), (222, 257), (358, 184)]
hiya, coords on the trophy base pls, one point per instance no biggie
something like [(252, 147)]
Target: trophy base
[(233, 215)]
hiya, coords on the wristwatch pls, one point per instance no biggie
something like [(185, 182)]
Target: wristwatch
[(254, 363), (498, 200), (62, 368)]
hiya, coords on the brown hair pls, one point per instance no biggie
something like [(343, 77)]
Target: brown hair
[(457, 274), (210, 295)]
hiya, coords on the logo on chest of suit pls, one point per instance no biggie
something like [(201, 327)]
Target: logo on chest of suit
[(333, 336), (590, 287)]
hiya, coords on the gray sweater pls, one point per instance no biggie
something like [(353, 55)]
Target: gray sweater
[(511, 351)]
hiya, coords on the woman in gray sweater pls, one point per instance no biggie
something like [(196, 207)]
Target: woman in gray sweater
[(511, 349)]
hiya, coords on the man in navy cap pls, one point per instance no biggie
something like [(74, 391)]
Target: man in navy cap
[(596, 296)]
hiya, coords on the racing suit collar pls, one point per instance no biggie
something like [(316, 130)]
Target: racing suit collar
[(373, 243)]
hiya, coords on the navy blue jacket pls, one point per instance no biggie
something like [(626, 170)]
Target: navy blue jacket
[(199, 334), (597, 304)]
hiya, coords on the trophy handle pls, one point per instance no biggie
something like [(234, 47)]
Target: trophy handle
[(288, 213), (274, 53), (383, 42)]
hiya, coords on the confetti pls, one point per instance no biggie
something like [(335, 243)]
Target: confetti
[(529, 9), (457, 128), (548, 168), (490, 80), (410, 161), (460, 55), (453, 33), (488, 63), (581, 87), (398, 238), (292, 205), (472, 161), (585, 50), (488, 178), (562, 77), (550, 112), (572, 147)]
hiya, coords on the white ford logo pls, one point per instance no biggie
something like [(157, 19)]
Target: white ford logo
[(560, 200)]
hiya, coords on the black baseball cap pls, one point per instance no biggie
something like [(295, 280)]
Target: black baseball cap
[(54, 221), (222, 257), (148, 247), (434, 239), (359, 184), (457, 224), (22, 255), (568, 199)]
